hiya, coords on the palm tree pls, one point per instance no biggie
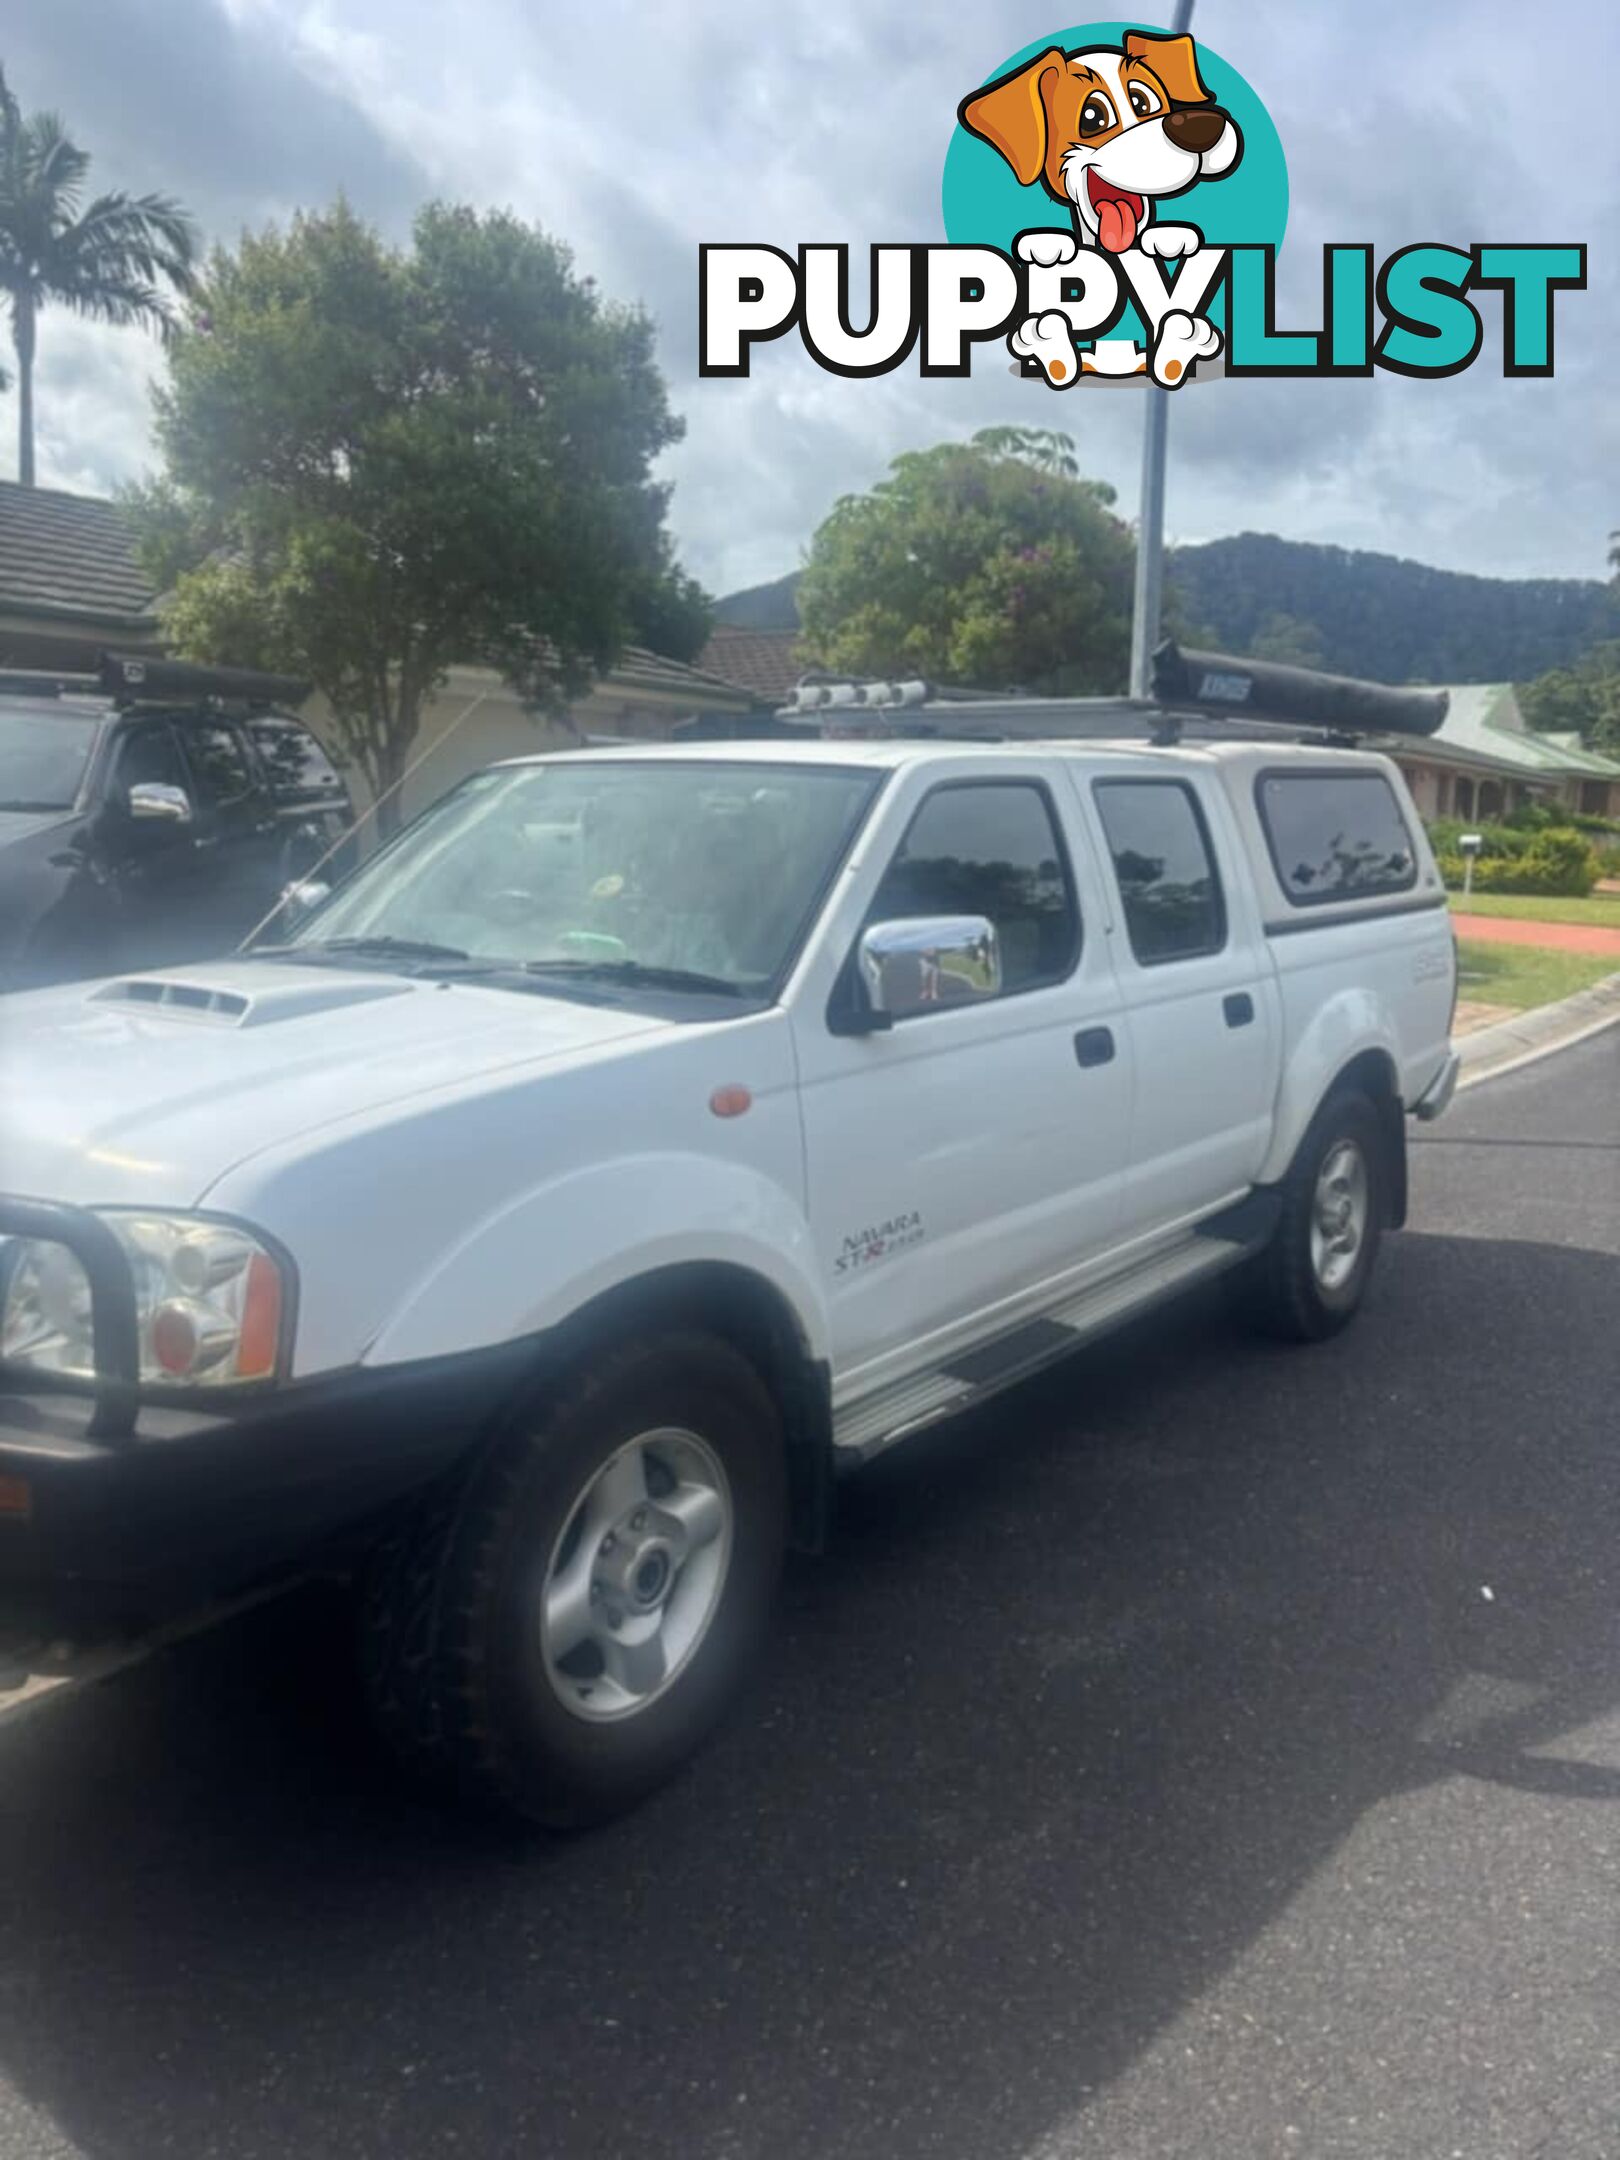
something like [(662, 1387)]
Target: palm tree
[(110, 261)]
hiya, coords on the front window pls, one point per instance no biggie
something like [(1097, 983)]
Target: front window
[(989, 850), (43, 754), (610, 867)]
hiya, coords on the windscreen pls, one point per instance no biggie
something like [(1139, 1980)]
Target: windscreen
[(709, 868), (43, 753)]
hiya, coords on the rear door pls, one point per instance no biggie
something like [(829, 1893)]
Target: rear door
[(1198, 990), (312, 805), (237, 837), (966, 1158)]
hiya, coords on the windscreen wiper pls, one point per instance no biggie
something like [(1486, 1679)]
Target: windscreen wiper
[(384, 948), (638, 974)]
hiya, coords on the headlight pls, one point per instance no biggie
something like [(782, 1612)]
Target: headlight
[(209, 1298)]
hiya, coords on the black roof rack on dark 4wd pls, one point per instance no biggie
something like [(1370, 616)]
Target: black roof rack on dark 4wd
[(1197, 695), (130, 679), (149, 679)]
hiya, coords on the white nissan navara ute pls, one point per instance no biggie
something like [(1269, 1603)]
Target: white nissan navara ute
[(645, 1135)]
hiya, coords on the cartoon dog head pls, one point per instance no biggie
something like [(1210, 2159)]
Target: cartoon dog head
[(1107, 131)]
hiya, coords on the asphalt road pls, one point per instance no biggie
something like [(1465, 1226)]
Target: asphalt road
[(1211, 1750)]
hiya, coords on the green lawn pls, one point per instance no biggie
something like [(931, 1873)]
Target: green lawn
[(1525, 975), (1602, 908)]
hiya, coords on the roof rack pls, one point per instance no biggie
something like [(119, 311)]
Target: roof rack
[(1197, 695), (47, 682)]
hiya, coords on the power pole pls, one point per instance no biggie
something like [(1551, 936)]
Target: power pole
[(1149, 595)]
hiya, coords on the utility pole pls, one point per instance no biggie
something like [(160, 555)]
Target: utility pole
[(1149, 594)]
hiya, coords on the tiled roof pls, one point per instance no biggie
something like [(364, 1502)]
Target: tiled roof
[(1483, 721), (762, 661), (68, 554), (655, 675)]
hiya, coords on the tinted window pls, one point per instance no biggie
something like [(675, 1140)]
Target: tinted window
[(148, 755), (218, 764), (1164, 867), (990, 851), (293, 760), (1336, 836)]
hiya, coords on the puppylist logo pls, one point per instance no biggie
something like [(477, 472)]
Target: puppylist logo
[(1114, 199)]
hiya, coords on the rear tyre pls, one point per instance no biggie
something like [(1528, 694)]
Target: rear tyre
[(555, 1638), (1312, 1277)]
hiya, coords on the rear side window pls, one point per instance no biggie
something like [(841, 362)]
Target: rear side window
[(1165, 868), (298, 768), (990, 849), (1335, 836)]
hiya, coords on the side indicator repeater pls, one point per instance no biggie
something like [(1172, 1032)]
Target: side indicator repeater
[(732, 1101)]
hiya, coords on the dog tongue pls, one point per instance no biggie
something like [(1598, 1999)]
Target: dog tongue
[(1116, 224)]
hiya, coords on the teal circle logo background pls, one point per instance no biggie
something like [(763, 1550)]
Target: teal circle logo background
[(984, 205)]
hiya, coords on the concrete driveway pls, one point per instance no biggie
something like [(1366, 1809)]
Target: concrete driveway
[(1212, 1750)]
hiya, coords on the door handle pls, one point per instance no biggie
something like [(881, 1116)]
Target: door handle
[(1238, 1008), (1094, 1046)]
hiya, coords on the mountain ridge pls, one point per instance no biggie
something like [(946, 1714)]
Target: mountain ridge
[(1355, 611)]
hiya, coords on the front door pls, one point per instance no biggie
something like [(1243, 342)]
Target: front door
[(962, 1160), (156, 870)]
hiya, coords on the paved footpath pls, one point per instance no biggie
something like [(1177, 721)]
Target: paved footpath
[(1556, 936)]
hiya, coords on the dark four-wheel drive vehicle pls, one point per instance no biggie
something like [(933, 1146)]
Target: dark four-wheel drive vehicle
[(151, 814)]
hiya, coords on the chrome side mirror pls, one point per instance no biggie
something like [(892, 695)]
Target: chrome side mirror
[(154, 801), (301, 899), (922, 962)]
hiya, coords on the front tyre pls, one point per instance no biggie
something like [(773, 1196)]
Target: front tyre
[(555, 1638), (1312, 1277)]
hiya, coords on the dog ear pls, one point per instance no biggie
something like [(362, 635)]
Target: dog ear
[(1174, 60), (1010, 115)]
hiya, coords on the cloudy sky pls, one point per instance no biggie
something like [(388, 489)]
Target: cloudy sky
[(636, 130)]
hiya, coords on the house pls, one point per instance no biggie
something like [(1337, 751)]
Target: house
[(70, 588), (766, 663), (476, 719), (1486, 761)]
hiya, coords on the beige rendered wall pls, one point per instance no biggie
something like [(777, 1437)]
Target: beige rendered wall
[(475, 721)]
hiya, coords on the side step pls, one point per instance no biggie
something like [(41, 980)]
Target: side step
[(877, 1421)]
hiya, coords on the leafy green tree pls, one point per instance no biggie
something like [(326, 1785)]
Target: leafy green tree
[(119, 259), (383, 462), (981, 564), (1585, 698)]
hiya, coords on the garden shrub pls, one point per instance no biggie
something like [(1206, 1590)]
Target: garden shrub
[(1560, 863)]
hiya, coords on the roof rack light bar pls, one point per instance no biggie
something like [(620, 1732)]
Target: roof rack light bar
[(868, 697)]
